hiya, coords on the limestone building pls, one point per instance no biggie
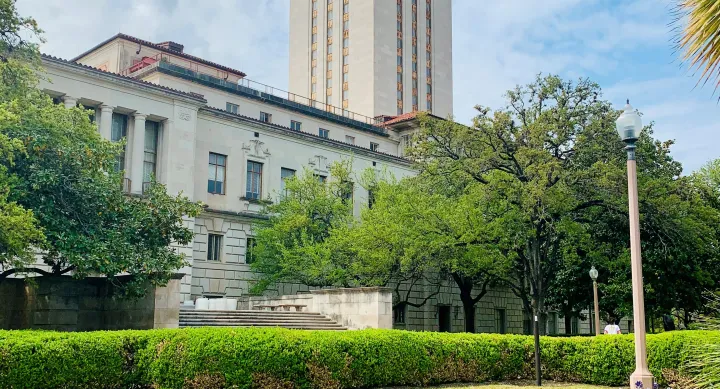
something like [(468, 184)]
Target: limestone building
[(206, 130), (375, 57)]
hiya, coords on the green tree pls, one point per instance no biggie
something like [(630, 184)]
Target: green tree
[(298, 243), (64, 173), (312, 238), (537, 159), (416, 231)]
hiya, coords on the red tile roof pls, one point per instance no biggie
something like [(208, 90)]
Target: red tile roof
[(401, 118), (161, 48), (407, 117)]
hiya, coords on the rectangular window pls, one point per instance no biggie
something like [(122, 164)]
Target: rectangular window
[(117, 133), (216, 174), (345, 95), (284, 175), (250, 244), (296, 126), (254, 180), (321, 178), (574, 325), (265, 117), (399, 95), (329, 83), (232, 108), (350, 139), (371, 197), (399, 314), (214, 248), (500, 321), (527, 324), (552, 323), (324, 133), (374, 146), (150, 155), (345, 77), (399, 61)]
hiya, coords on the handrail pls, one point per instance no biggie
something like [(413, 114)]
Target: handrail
[(253, 86)]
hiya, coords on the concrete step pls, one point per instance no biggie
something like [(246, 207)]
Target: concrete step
[(253, 321), (253, 324), (292, 327), (288, 313), (285, 319), (258, 319), (252, 317)]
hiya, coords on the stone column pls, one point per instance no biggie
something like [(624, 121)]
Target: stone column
[(138, 151), (69, 101), (106, 121)]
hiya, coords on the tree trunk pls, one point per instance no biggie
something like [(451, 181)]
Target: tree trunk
[(469, 310)]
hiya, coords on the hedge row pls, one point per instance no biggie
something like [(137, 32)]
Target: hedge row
[(275, 358)]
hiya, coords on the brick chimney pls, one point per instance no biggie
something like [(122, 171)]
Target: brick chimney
[(170, 45)]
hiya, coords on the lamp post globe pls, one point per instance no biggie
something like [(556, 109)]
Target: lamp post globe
[(593, 273), (629, 124)]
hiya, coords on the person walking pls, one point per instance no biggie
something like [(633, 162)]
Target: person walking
[(613, 328)]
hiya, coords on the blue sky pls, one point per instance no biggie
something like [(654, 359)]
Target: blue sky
[(625, 46)]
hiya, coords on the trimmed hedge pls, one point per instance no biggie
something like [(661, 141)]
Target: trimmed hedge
[(207, 358)]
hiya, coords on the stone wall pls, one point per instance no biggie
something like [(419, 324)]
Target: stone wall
[(67, 304), (355, 308)]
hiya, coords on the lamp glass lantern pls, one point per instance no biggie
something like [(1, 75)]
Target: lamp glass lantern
[(629, 124), (593, 273)]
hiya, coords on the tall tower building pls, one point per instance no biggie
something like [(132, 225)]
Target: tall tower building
[(373, 57)]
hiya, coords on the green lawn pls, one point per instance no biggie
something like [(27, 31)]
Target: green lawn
[(523, 385)]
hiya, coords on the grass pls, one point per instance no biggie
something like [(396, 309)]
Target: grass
[(523, 385)]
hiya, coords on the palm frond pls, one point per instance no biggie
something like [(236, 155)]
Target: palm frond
[(698, 37)]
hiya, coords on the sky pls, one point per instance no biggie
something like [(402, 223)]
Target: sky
[(626, 46)]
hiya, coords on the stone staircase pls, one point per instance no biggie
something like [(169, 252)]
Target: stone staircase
[(284, 319)]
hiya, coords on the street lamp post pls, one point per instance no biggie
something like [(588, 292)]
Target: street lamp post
[(629, 126), (594, 276)]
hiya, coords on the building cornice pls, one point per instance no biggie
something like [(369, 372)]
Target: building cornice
[(50, 61), (287, 131), (240, 215)]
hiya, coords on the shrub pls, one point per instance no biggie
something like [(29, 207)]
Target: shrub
[(206, 358)]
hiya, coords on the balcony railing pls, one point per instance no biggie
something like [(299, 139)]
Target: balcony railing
[(258, 90)]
